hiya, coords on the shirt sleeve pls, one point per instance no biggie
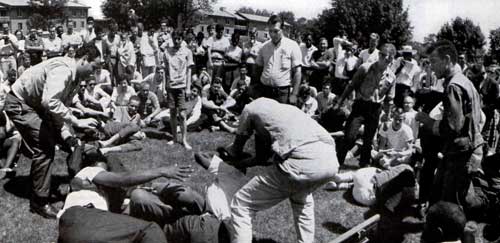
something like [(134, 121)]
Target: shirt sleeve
[(245, 127), (260, 58), (54, 91), (154, 100), (296, 56), (453, 117), (190, 61)]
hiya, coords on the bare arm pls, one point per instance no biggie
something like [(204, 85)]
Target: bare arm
[(133, 178)]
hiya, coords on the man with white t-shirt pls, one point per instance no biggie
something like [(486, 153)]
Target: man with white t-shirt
[(370, 55), (395, 141)]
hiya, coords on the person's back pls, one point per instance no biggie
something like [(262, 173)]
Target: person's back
[(283, 122)]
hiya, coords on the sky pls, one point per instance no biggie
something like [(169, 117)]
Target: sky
[(426, 16)]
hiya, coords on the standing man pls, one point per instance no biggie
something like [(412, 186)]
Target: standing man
[(38, 107), (307, 49), (8, 49), (321, 63), (304, 159), (71, 38), (52, 45), (405, 68), (460, 127), (88, 34), (370, 55), (251, 50), (279, 65), (374, 83), (178, 61)]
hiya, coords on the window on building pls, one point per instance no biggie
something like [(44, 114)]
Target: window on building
[(73, 13), (19, 12), (82, 24), (227, 31), (265, 35), (202, 28), (20, 26), (3, 13)]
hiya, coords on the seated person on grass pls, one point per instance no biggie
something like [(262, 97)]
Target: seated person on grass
[(307, 103), (372, 185), (325, 99), (241, 96), (124, 135), (156, 83), (395, 142), (243, 78), (96, 96), (10, 142), (120, 98), (83, 106), (215, 105), (97, 190), (26, 63), (149, 106)]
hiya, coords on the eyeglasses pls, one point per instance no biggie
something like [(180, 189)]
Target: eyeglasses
[(92, 84)]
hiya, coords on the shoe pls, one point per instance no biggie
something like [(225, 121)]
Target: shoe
[(46, 211)]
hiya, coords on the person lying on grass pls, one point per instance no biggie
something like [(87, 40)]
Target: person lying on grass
[(372, 186), (207, 219), (121, 136), (99, 188)]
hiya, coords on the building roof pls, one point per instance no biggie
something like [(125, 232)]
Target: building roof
[(219, 13), (253, 17), (25, 3), (256, 18)]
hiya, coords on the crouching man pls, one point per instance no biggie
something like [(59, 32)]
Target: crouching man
[(304, 159)]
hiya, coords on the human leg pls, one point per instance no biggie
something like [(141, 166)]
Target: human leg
[(372, 114), (353, 123), (260, 193), (39, 136), (303, 215), (79, 224)]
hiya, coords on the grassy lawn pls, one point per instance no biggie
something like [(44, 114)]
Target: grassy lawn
[(335, 211)]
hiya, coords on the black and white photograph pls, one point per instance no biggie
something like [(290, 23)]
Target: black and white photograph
[(249, 121)]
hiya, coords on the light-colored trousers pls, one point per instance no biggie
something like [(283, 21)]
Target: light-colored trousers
[(307, 168)]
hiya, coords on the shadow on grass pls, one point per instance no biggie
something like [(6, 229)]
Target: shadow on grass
[(20, 186), (155, 134), (335, 227), (393, 227), (263, 240)]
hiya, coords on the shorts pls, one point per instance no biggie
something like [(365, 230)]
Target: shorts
[(176, 99)]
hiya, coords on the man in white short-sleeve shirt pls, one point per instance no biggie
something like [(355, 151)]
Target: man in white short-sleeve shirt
[(279, 65), (370, 55)]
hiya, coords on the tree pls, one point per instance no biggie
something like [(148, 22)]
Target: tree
[(250, 10), (466, 36), (495, 44), (358, 18), (182, 13), (43, 11)]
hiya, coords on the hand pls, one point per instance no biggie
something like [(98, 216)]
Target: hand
[(188, 92), (147, 120), (87, 123), (293, 99), (177, 172)]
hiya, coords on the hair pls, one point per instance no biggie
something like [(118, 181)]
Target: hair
[(445, 221), (323, 39), (11, 72), (274, 19), (178, 33), (445, 48), (134, 98), (210, 26), (90, 18), (144, 84), (20, 31), (200, 35), (326, 84), (88, 49), (219, 27), (390, 47), (217, 80), (26, 55), (377, 36)]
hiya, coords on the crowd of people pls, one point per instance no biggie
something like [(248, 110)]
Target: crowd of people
[(423, 126)]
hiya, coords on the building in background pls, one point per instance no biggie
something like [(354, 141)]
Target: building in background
[(235, 22), (17, 12)]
